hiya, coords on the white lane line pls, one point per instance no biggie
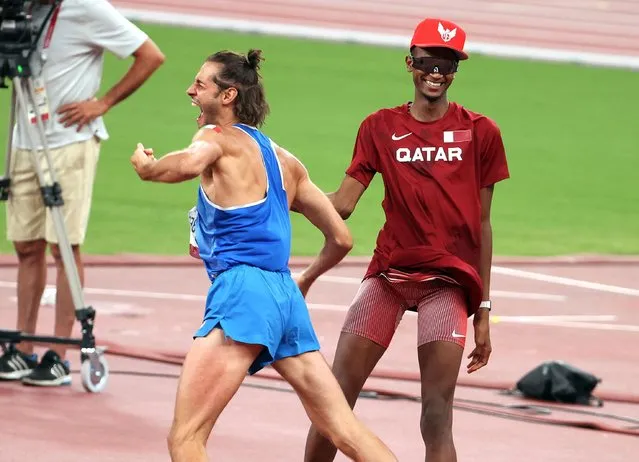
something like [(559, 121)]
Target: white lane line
[(566, 281)]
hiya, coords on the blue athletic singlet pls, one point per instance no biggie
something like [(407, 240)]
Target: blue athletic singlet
[(257, 234), (253, 298)]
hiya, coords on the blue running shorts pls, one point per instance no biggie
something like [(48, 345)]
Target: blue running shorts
[(260, 307)]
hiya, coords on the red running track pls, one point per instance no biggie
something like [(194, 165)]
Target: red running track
[(603, 26), (157, 308)]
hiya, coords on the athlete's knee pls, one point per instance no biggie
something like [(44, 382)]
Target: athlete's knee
[(349, 381), (184, 435), (436, 419), (354, 359), (328, 431), (342, 431), (319, 448), (172, 441), (355, 441), (180, 437), (340, 435)]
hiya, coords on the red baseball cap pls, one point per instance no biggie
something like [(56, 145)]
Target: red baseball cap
[(439, 33)]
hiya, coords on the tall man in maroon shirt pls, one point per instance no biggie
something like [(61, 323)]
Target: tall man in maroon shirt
[(439, 162)]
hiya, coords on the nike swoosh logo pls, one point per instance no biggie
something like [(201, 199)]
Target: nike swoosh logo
[(456, 335), (397, 138)]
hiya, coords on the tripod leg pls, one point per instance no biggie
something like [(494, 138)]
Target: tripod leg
[(61, 232), (12, 119), (52, 197)]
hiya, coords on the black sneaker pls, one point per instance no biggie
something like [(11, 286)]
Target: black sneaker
[(15, 364), (51, 372)]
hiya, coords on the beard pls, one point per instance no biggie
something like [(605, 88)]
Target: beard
[(207, 116)]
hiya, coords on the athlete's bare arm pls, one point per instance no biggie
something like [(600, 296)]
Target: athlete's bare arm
[(486, 249), (481, 322), (347, 196), (178, 166), (311, 202)]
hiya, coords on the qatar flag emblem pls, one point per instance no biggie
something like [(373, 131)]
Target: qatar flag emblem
[(458, 136)]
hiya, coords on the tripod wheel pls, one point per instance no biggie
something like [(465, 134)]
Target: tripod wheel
[(94, 372)]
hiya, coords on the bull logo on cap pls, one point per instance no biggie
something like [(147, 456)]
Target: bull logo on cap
[(447, 35)]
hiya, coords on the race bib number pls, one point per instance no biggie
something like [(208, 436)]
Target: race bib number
[(194, 251), (41, 101)]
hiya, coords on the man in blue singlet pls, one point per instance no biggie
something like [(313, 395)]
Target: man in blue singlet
[(255, 312)]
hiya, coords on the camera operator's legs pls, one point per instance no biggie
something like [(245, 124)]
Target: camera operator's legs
[(29, 220), (65, 310), (75, 166), (25, 217)]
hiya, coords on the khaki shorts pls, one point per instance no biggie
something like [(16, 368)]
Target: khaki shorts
[(75, 167)]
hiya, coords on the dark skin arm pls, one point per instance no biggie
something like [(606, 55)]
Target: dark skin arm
[(347, 196), (481, 321)]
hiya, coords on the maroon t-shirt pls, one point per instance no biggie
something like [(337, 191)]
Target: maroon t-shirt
[(432, 173)]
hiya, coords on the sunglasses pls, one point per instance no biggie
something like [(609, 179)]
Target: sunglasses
[(431, 65)]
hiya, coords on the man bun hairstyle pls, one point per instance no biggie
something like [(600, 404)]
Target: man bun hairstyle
[(242, 73), (254, 58)]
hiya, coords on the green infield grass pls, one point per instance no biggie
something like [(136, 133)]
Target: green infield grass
[(570, 132)]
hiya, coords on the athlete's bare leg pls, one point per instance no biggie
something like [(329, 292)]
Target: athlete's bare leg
[(439, 364), (212, 373), (334, 426), (441, 313), (356, 355)]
